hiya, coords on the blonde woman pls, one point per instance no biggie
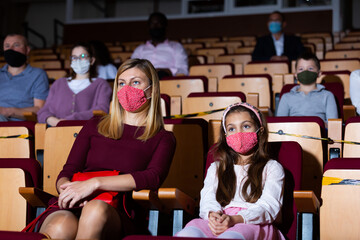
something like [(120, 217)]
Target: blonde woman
[(131, 140)]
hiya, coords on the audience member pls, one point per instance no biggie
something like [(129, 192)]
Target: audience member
[(22, 88), (76, 97), (277, 46), (243, 189), (355, 89), (308, 98), (132, 140), (103, 61), (161, 52)]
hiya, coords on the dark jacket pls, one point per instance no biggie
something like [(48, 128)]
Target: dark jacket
[(265, 48)]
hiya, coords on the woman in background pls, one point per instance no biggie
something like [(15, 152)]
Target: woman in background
[(75, 97)]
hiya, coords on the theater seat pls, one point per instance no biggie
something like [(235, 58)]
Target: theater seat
[(339, 213)]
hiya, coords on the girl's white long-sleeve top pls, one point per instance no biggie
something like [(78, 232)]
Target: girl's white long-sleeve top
[(265, 210)]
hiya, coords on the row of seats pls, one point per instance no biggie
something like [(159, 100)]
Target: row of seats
[(259, 89), (187, 171)]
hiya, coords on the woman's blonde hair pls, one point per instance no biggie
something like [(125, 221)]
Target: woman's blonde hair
[(111, 125)]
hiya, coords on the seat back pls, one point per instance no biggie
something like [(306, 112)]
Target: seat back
[(183, 86), (58, 143), (208, 41), (46, 56), (339, 64), (247, 40), (319, 43), (243, 58), (342, 77), (239, 60), (54, 74), (187, 168), (120, 57), (201, 102), (289, 154), (335, 54), (12, 204), (313, 150), (51, 64), (191, 47), (347, 45), (327, 36), (214, 71), (260, 84), (268, 67), (213, 51), (32, 172), (352, 133), (15, 147), (229, 45), (247, 49), (340, 200)]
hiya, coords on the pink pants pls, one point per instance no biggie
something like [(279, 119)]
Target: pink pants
[(199, 228)]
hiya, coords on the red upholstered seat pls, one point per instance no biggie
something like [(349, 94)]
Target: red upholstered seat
[(21, 236), (343, 163)]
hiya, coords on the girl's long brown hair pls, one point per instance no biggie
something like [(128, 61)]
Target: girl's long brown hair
[(227, 157)]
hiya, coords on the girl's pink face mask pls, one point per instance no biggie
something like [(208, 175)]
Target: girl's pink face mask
[(131, 99), (242, 142)]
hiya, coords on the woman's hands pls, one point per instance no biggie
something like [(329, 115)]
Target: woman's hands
[(53, 121), (75, 192), (220, 222)]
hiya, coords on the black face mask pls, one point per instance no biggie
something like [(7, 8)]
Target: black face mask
[(157, 33), (14, 58)]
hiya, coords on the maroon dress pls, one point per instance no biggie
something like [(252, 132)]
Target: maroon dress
[(147, 161)]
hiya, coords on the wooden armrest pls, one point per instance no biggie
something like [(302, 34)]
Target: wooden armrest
[(35, 196), (30, 116), (213, 84), (148, 199), (173, 198), (40, 129), (99, 113), (306, 201), (175, 105), (335, 133)]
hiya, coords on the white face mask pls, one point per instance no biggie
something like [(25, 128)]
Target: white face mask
[(80, 66)]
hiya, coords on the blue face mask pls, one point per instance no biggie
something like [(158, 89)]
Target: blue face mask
[(275, 27)]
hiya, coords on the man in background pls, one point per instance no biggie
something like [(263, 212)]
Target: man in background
[(165, 55), (277, 46), (22, 88)]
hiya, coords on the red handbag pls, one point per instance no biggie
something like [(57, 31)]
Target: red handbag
[(106, 196)]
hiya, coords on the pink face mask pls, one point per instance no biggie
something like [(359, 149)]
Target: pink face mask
[(131, 99), (242, 142)]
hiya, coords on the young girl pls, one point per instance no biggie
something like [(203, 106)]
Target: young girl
[(243, 190)]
